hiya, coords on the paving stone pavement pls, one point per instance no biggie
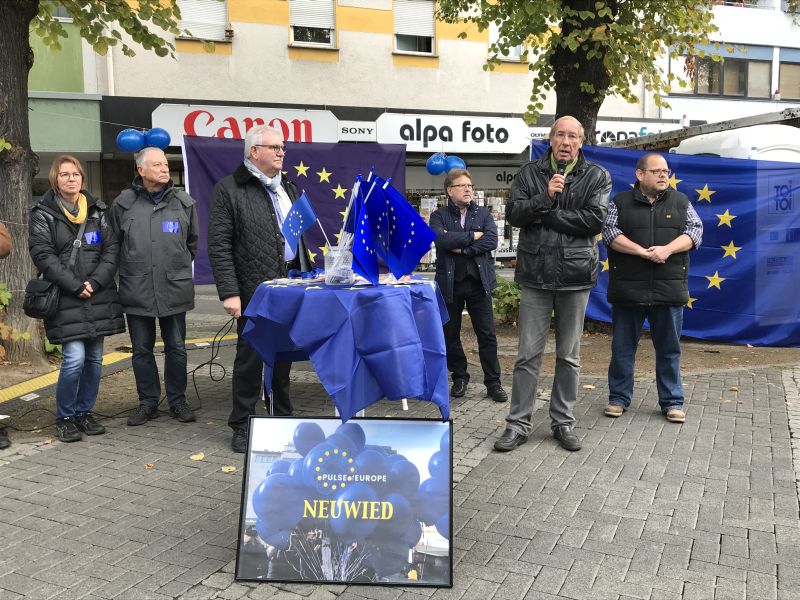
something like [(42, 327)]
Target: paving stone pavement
[(648, 509)]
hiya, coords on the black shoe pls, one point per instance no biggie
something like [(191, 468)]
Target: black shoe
[(66, 430), (509, 440), (142, 415), (567, 438), (4, 441), (459, 388), (182, 412), (497, 393), (239, 441), (88, 424)]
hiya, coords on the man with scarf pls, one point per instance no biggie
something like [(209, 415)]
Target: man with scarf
[(560, 202), (246, 247), (157, 229)]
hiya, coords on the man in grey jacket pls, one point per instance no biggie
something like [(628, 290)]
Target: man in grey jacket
[(157, 230), (560, 202)]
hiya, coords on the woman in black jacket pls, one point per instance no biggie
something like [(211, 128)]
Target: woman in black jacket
[(89, 307)]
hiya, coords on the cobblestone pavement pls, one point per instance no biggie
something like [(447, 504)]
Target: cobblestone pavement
[(648, 509)]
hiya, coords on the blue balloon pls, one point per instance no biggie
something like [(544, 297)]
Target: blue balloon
[(454, 162), (324, 471), (412, 534), (432, 501), (130, 140), (443, 526), (295, 473), (436, 164), (355, 433), (279, 466), (439, 465), (395, 458), (342, 445), (280, 539), (351, 526), (402, 515), (267, 527), (306, 436), (403, 478), (444, 442), (277, 496), (157, 138)]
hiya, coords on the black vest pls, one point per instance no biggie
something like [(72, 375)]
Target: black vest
[(637, 281)]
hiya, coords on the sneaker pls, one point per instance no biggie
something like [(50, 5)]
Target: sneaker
[(142, 415), (497, 393), (66, 430), (567, 438), (182, 412), (239, 441), (675, 415), (4, 441), (459, 388), (613, 411), (88, 424)]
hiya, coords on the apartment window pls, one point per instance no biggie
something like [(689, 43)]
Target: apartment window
[(790, 81), (205, 19), (313, 23), (514, 52), (733, 77), (414, 26)]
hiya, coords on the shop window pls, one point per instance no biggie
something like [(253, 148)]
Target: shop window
[(790, 81), (205, 19), (514, 52), (313, 23), (414, 26)]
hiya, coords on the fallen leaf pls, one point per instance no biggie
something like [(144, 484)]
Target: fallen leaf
[(733, 388), (209, 422), (588, 386), (148, 466), (198, 456), (48, 441), (228, 468)]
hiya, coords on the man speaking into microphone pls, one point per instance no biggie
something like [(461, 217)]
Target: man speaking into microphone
[(560, 203)]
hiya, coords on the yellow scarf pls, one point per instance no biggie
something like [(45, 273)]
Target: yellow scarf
[(82, 210)]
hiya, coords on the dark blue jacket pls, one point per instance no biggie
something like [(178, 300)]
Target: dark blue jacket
[(446, 223)]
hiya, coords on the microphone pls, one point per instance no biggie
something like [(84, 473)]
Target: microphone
[(562, 168)]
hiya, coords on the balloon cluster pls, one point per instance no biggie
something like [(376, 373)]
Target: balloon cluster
[(133, 140), (341, 479), (441, 163)]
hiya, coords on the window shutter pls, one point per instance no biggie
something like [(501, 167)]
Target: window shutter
[(312, 13), (414, 17), (205, 19)]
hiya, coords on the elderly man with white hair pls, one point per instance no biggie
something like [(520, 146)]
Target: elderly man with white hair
[(246, 247)]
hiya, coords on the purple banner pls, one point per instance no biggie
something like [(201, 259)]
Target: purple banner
[(324, 171)]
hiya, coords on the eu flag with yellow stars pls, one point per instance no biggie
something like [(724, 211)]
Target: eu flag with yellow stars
[(743, 279), (298, 220)]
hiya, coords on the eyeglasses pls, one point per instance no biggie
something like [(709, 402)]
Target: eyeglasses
[(572, 137), (657, 172), (463, 186), (275, 148), (70, 175)]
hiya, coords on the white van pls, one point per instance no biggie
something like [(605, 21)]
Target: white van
[(760, 142)]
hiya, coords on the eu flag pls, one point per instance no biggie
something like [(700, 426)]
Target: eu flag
[(743, 279), (298, 220)]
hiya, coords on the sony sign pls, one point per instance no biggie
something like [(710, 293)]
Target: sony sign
[(357, 131), (233, 122), (446, 133)]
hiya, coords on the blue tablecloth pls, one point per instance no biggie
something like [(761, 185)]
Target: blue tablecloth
[(366, 343)]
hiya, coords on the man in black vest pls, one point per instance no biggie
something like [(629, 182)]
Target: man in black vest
[(649, 232)]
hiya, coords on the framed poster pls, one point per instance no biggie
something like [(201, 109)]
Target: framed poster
[(368, 501)]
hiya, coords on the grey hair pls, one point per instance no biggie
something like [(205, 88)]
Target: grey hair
[(253, 137), (555, 124), (139, 156)]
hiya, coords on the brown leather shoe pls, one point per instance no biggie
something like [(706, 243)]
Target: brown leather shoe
[(613, 410), (675, 415)]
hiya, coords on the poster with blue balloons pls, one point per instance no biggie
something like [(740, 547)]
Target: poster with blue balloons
[(367, 501)]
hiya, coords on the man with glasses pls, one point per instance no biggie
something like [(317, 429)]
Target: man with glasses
[(559, 202), (649, 232), (246, 247), (158, 232), (466, 235)]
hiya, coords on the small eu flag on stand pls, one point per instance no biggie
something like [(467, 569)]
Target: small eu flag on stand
[(298, 220)]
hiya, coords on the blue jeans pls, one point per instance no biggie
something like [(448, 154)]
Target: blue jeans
[(666, 323), (143, 338), (79, 377)]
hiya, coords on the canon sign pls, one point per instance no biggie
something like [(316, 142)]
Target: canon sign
[(233, 122)]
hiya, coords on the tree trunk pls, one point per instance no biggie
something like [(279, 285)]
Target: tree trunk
[(571, 68), (17, 167)]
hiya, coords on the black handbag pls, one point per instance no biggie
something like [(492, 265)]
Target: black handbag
[(42, 296)]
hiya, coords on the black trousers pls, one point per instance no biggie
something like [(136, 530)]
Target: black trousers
[(470, 292), (248, 381)]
